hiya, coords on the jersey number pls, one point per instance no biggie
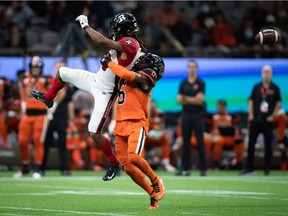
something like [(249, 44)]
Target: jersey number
[(121, 97)]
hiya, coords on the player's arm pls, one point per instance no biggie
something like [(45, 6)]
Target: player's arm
[(141, 79), (97, 36), (197, 100)]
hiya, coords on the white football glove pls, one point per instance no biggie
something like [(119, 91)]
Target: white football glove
[(83, 20)]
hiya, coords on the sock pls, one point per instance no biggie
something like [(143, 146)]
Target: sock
[(138, 177), (54, 89), (107, 149)]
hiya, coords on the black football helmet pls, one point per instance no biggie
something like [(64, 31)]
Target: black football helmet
[(122, 24), (151, 61)]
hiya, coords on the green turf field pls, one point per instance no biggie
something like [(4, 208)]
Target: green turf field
[(84, 193)]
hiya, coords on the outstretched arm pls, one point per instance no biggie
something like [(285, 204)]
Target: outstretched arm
[(97, 36)]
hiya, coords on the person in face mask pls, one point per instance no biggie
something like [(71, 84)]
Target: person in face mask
[(246, 40)]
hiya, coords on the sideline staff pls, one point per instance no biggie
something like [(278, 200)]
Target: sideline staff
[(191, 97), (264, 104)]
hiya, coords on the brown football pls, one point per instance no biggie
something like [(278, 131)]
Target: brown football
[(267, 36)]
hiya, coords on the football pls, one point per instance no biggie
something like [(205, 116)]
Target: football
[(267, 36)]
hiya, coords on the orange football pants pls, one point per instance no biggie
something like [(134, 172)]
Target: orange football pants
[(129, 142), (227, 141), (3, 131), (28, 126), (280, 122), (163, 142)]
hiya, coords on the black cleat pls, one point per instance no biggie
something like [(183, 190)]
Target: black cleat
[(111, 172), (41, 96)]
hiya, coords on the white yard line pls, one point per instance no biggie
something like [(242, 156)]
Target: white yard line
[(62, 211), (195, 213), (277, 213)]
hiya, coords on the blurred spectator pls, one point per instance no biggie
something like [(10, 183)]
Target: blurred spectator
[(258, 14), (223, 33), (226, 134), (166, 15), (20, 13), (182, 30), (157, 136), (150, 32), (123, 6), (204, 21), (246, 40), (5, 30), (57, 15), (98, 13), (281, 16)]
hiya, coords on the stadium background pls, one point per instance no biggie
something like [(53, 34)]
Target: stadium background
[(178, 31)]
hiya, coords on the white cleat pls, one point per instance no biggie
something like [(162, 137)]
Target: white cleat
[(18, 175), (169, 168), (36, 175)]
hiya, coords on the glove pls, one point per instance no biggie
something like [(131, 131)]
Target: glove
[(105, 60), (83, 20)]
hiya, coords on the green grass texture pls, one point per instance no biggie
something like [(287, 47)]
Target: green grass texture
[(84, 193)]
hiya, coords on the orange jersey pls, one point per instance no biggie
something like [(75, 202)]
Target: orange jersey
[(39, 84), (132, 103), (218, 120)]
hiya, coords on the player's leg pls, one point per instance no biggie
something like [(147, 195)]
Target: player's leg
[(239, 148), (136, 142), (198, 125), (40, 128), (80, 78), (24, 135), (217, 149), (135, 174), (267, 130), (253, 134), (103, 103)]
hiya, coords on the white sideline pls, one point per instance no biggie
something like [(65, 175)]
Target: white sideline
[(63, 211)]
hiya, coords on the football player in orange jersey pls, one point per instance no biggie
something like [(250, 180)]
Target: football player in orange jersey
[(34, 119), (226, 134), (125, 47), (132, 120)]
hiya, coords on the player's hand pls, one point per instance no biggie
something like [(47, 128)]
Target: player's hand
[(83, 20), (105, 60)]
